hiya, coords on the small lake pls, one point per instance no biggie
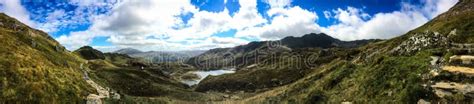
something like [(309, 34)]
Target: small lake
[(204, 74)]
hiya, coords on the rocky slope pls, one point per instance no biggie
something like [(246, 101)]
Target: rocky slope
[(35, 68)]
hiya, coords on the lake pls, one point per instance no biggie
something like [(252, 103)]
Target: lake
[(204, 74)]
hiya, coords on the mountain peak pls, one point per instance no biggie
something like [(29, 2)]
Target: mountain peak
[(89, 53), (128, 51), (310, 40)]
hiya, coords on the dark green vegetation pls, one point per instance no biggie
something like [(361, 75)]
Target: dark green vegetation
[(35, 68)]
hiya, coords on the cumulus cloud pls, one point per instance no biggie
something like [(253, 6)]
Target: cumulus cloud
[(291, 21), (278, 3), (15, 9), (132, 23), (158, 25), (327, 14), (76, 39), (353, 25)]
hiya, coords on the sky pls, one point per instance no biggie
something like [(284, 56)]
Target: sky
[(175, 25)]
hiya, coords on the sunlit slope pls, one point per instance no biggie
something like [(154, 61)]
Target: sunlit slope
[(36, 68)]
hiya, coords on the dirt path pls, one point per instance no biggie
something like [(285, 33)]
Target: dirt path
[(94, 98)]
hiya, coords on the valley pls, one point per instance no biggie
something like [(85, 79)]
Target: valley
[(433, 63)]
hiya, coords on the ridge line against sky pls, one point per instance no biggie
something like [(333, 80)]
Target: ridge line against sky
[(173, 25)]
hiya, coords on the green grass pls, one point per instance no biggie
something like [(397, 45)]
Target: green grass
[(138, 83), (388, 79), (275, 71), (445, 23), (41, 73)]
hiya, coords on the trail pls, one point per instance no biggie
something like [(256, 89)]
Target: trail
[(94, 98)]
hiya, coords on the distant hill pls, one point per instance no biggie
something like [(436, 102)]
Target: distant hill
[(160, 56), (245, 55), (35, 68), (128, 51), (89, 53)]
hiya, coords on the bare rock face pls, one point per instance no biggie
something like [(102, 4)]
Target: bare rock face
[(420, 41)]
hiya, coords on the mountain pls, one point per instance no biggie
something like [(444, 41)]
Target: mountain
[(89, 53), (245, 55), (35, 68), (128, 51), (159, 56), (321, 40)]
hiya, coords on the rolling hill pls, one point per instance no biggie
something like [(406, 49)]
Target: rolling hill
[(37, 69)]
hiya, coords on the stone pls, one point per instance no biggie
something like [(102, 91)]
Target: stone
[(225, 96), (423, 101), (346, 102), (58, 48), (235, 97), (33, 44)]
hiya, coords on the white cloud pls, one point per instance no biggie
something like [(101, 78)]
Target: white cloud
[(293, 21), (228, 40), (435, 7), (54, 21), (327, 14), (156, 24), (131, 23), (384, 25), (247, 16), (76, 39), (278, 3), (15, 9)]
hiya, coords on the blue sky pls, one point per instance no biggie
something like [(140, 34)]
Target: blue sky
[(203, 24)]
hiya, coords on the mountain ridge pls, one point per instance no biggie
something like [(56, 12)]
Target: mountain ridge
[(127, 51), (237, 53)]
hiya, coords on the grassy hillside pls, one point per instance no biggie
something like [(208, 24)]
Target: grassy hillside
[(36, 68), (279, 69), (394, 70), (137, 80)]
